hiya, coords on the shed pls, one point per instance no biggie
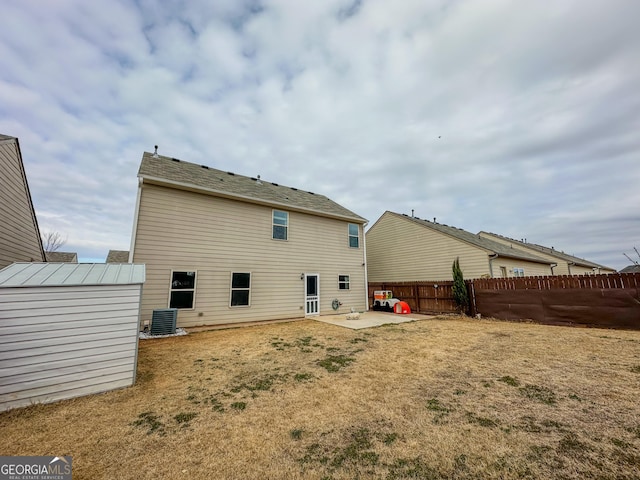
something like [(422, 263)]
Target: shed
[(67, 330)]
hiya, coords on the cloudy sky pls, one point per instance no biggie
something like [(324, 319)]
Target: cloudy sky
[(520, 118)]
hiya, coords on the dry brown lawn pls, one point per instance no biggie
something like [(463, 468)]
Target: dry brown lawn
[(434, 399)]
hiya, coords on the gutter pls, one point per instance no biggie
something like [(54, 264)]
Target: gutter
[(364, 264), (492, 257), (135, 221)]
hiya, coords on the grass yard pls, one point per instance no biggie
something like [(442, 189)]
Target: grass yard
[(444, 398)]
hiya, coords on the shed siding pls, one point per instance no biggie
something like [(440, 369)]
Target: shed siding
[(187, 231), (401, 250), (19, 235), (63, 342)]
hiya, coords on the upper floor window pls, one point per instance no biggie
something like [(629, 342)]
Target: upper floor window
[(182, 289), (280, 225), (354, 235)]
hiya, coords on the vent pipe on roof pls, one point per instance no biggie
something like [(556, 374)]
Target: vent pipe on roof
[(412, 212), (155, 153), (258, 181), (434, 219)]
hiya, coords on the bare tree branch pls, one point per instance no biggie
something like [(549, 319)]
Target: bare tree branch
[(52, 241)]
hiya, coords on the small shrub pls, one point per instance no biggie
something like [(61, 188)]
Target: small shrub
[(151, 421), (333, 363), (296, 434), (434, 405), (238, 405), (302, 377), (541, 394), (482, 421), (185, 417), (509, 381), (389, 438)]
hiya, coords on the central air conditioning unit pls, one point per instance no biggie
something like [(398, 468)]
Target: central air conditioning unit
[(163, 322)]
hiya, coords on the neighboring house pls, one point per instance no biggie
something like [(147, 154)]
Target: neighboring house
[(62, 257), (405, 248), (565, 264), (225, 248), (117, 256), (631, 269), (19, 234)]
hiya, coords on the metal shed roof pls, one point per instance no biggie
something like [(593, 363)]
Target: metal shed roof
[(62, 274)]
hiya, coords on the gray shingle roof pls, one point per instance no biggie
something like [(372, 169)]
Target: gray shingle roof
[(62, 257), (217, 182), (6, 137), (473, 239), (552, 251), (118, 256), (631, 269)]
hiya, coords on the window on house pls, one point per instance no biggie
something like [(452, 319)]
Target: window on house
[(518, 272), (280, 224), (240, 289), (183, 289), (503, 272), (343, 282), (354, 235)]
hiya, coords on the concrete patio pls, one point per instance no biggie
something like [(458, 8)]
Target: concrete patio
[(369, 319)]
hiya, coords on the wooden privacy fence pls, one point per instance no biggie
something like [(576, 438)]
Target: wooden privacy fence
[(422, 297), (608, 300)]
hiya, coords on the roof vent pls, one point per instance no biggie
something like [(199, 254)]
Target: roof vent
[(275, 184), (312, 193), (204, 166), (231, 173), (175, 159), (294, 189), (258, 180), (155, 153)]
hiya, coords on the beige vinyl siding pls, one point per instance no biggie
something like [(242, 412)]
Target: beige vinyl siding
[(563, 267), (66, 341), (401, 250), (530, 268), (19, 236), (187, 231)]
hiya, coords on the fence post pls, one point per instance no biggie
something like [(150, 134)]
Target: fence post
[(471, 293)]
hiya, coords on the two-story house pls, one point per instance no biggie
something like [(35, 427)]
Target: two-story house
[(225, 248), (19, 233)]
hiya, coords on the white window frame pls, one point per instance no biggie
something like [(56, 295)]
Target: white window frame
[(273, 224), (346, 282), (171, 289), (349, 236), (518, 272), (231, 290)]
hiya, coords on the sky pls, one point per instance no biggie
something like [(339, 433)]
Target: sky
[(518, 118)]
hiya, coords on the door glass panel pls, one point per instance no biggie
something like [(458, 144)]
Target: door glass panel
[(312, 285)]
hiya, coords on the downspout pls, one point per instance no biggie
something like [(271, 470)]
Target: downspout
[(364, 264), (569, 266), (553, 265), (491, 258), (135, 221)]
